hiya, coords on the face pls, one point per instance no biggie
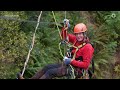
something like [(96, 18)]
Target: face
[(79, 36)]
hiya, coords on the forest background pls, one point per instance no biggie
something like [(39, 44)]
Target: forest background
[(16, 32)]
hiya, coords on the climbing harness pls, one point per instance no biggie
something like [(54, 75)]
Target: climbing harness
[(32, 44), (73, 76)]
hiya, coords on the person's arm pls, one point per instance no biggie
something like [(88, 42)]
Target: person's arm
[(69, 37), (87, 56)]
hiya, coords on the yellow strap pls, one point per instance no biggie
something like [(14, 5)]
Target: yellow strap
[(85, 76), (77, 48)]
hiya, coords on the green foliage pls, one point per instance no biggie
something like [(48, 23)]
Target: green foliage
[(12, 41), (16, 38), (104, 41)]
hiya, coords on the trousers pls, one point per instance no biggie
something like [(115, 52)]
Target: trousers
[(50, 71)]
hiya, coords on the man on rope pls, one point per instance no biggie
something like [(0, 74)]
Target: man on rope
[(81, 55)]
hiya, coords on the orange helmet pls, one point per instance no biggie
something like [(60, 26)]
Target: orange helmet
[(81, 27)]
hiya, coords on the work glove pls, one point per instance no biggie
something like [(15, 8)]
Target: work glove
[(67, 60), (66, 23)]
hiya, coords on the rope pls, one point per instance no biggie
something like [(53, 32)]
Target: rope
[(59, 35), (32, 44), (57, 25), (60, 50), (72, 74)]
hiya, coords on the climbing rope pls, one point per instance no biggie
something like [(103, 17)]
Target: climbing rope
[(57, 25), (60, 50), (32, 44), (59, 35), (72, 74)]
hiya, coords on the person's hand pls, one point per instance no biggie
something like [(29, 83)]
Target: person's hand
[(67, 60), (66, 23)]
